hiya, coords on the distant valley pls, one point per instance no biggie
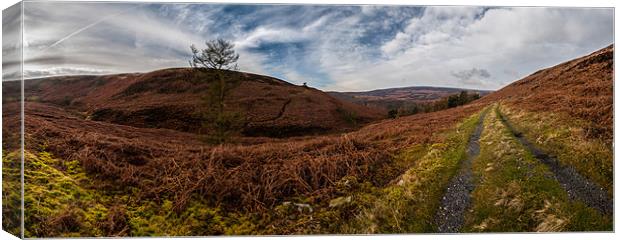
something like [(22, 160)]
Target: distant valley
[(392, 98)]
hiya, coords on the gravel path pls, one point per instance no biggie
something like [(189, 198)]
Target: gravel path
[(577, 186), (456, 199)]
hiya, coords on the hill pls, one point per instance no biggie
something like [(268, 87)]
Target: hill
[(581, 89), (393, 98), (563, 115), (172, 99)]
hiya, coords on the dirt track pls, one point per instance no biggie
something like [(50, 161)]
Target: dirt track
[(457, 198), (577, 186)]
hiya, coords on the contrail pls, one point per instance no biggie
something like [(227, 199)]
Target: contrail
[(84, 28)]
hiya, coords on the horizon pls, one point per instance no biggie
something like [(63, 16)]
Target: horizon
[(377, 89), (353, 48)]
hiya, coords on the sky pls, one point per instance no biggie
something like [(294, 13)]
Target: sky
[(336, 48)]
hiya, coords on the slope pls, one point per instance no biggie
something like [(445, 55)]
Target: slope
[(172, 99), (581, 88), (567, 112)]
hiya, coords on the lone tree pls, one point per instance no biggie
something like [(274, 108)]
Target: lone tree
[(219, 54), (213, 62)]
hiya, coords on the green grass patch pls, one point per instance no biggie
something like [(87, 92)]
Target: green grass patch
[(55, 202), (11, 192), (198, 219)]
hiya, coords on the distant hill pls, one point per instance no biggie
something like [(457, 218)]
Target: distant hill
[(396, 97), (167, 99)]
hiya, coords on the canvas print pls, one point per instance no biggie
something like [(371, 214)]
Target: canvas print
[(201, 119)]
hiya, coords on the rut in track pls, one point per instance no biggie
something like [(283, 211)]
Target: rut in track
[(450, 215), (577, 186)]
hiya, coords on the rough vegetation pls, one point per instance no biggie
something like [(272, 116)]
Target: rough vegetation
[(11, 163), (174, 99), (121, 156), (11, 192), (515, 192), (578, 89), (158, 165), (409, 205), (568, 141)]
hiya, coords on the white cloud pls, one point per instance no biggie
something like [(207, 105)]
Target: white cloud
[(506, 42), (117, 39), (56, 71), (444, 40), (263, 34), (437, 24)]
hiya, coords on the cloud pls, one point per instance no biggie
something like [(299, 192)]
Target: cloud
[(11, 47), (471, 76), (347, 48), (261, 35), (449, 39), (436, 25), (123, 38), (56, 71)]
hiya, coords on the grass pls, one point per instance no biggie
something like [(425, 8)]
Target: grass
[(159, 186), (316, 214), (409, 205), (11, 192), (60, 201), (405, 204), (567, 140), (346, 186), (55, 202), (516, 193)]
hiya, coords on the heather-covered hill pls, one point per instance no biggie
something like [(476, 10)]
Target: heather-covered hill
[(172, 99), (565, 112), (581, 88)]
